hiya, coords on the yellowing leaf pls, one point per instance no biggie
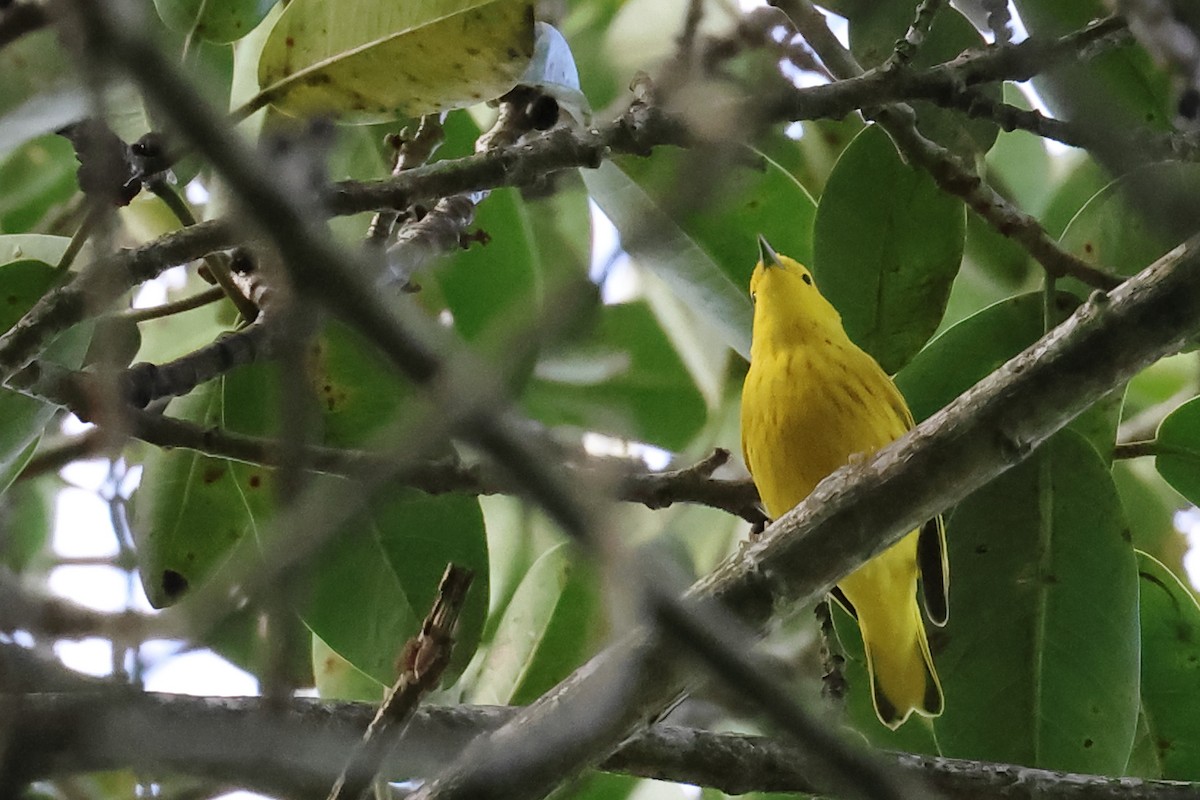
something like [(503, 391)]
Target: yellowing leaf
[(379, 57)]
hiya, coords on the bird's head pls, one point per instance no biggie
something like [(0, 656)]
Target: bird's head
[(785, 296)]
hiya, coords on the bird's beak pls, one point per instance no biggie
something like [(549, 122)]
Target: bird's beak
[(767, 254)]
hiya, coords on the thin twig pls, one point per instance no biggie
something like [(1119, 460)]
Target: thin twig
[(144, 383), (1138, 449), (686, 40), (640, 129), (79, 238), (999, 19), (217, 263), (694, 484), (199, 300), (52, 456), (914, 37), (410, 151), (425, 658), (443, 228), (950, 173)]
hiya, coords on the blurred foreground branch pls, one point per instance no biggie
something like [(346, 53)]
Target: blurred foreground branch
[(298, 752), (851, 516), (637, 131)]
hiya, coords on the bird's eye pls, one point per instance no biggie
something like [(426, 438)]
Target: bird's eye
[(752, 296), (804, 276)]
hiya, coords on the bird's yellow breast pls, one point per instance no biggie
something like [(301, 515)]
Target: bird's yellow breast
[(812, 402), (807, 411)]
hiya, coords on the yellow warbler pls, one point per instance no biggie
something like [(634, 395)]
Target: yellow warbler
[(813, 401)]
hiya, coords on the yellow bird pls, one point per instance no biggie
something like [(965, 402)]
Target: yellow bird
[(812, 402)]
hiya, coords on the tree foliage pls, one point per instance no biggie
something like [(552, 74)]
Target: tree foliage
[(463, 282)]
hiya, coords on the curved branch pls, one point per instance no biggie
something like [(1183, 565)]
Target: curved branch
[(640, 129), (693, 484), (951, 174), (852, 516), (101, 283)]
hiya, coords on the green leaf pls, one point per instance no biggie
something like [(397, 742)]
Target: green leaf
[(1178, 449), (1150, 506), (1019, 162), (358, 390), (242, 640), (420, 534), (22, 283), (819, 148), (560, 227), (1085, 179), (338, 679), (1004, 264), (1167, 378), (1112, 231), (37, 177), (703, 247), (26, 518), (1121, 86), (1170, 619), (23, 419), (210, 67), (1040, 658), (376, 580), (376, 57), (624, 380), (697, 344), (213, 20), (596, 785), (40, 91), (243, 82), (973, 349), (1143, 757), (514, 531), (543, 633), (373, 584), (356, 605), (33, 246), (887, 245), (489, 284), (192, 508), (873, 37)]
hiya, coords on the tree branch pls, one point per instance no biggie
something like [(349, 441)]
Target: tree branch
[(637, 131), (425, 658), (692, 484), (297, 751), (102, 282), (20, 18), (990, 429), (950, 173), (858, 512)]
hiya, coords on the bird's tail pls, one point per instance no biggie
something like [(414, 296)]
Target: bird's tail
[(903, 679)]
